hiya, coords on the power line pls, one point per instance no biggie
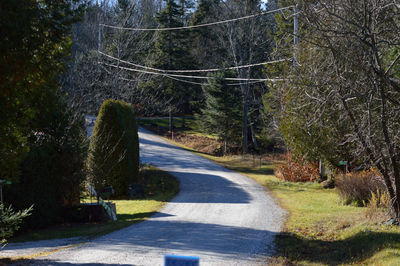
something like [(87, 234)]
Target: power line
[(207, 84), (195, 70), (185, 76), (199, 25)]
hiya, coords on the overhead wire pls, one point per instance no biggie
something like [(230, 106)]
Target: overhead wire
[(186, 76), (199, 25), (207, 84), (196, 70), (166, 73)]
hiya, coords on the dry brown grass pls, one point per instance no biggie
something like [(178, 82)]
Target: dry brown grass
[(356, 188)]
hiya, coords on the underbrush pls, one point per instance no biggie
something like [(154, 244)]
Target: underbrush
[(297, 170), (357, 188), (378, 206)]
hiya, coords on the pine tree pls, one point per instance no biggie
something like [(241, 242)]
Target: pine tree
[(222, 114), (171, 52), (204, 40), (33, 113), (10, 221)]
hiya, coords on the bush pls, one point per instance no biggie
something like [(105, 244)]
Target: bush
[(356, 188), (114, 148), (298, 170)]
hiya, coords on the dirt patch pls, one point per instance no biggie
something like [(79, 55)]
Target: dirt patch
[(199, 143), (195, 142)]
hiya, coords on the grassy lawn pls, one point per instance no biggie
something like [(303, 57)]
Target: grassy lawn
[(160, 187), (320, 230)]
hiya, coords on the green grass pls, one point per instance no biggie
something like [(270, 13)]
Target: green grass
[(320, 230), (160, 187)]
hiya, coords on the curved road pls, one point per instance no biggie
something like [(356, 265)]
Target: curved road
[(220, 216)]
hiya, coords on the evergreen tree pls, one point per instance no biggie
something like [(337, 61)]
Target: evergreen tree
[(10, 221), (222, 114), (247, 42), (171, 52), (204, 40), (41, 143), (35, 42)]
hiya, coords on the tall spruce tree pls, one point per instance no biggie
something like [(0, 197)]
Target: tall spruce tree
[(204, 40), (171, 52), (222, 114)]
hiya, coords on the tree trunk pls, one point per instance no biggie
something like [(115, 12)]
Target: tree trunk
[(225, 149), (171, 122), (392, 154), (253, 136), (245, 137), (369, 152)]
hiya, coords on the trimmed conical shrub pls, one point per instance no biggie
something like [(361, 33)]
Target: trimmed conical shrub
[(114, 148)]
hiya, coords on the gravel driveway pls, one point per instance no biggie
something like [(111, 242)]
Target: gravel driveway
[(220, 216)]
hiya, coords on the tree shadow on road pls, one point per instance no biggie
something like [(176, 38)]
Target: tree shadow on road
[(226, 241), (143, 215)]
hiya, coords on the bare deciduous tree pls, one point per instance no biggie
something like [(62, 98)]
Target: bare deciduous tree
[(348, 82)]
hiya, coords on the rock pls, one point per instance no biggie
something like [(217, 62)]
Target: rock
[(328, 184), (392, 221)]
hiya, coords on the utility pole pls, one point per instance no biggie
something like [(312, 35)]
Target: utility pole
[(98, 49), (99, 38), (295, 34)]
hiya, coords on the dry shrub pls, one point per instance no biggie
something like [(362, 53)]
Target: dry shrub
[(378, 205), (356, 188), (297, 170)]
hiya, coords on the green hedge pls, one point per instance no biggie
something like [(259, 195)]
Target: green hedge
[(114, 148)]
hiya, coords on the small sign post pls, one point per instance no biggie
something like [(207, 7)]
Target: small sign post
[(344, 163), (109, 211)]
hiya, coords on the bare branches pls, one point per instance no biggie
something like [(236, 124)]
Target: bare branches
[(348, 72)]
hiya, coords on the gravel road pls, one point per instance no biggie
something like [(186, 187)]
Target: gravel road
[(220, 216)]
